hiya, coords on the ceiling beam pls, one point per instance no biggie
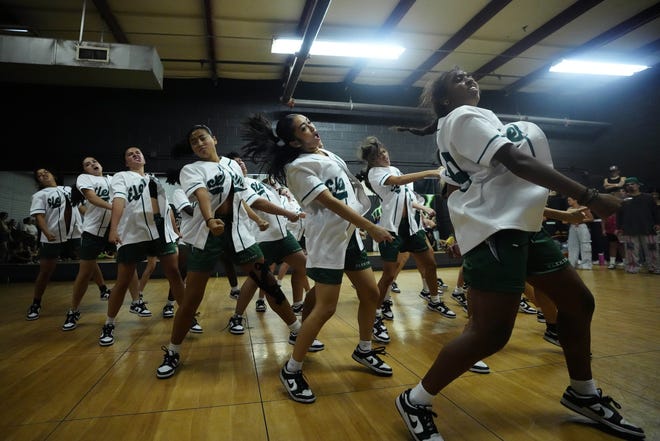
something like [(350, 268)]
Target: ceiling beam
[(553, 25), (392, 21), (311, 31), (646, 16), (210, 40), (111, 21), (481, 18), (300, 30)]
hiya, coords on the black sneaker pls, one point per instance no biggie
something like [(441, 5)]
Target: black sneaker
[(459, 297), (526, 307), (316, 346), (33, 312), (395, 288), (105, 294), (107, 337), (296, 385), (418, 418), (297, 309), (168, 310), (600, 409), (71, 318), (540, 317), (372, 361), (551, 337), (441, 308), (196, 328), (380, 331), (140, 308), (442, 284), (425, 295), (236, 325), (169, 365), (260, 305), (386, 309)]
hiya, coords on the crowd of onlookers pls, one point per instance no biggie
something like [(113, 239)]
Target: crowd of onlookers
[(18, 240)]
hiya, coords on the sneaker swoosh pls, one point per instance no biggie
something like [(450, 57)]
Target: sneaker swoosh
[(603, 411), (292, 384), (415, 424)]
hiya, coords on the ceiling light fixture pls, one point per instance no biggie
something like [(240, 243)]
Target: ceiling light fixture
[(597, 68), (339, 49)]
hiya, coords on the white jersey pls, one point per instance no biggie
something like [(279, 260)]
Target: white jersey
[(327, 233), (52, 202), (137, 222), (97, 219), (394, 198), (490, 197), (277, 224), (219, 179), (180, 202), (76, 228), (297, 229)]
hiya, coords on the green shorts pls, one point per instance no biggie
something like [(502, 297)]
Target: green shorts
[(138, 252), (403, 242), (276, 250), (355, 260), (503, 261), (91, 246), (49, 250), (217, 248)]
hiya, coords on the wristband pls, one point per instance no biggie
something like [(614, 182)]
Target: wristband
[(206, 222), (589, 195)]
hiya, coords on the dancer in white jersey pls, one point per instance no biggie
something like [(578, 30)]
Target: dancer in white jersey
[(500, 176), (95, 189), (400, 215), (218, 228), (51, 207), (334, 202), (141, 225)]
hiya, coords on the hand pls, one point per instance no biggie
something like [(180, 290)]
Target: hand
[(217, 226), (576, 215), (263, 224), (50, 236), (379, 234), (605, 204), (293, 217), (113, 237)]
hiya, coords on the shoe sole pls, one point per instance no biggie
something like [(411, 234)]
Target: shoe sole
[(311, 348), (372, 368), (285, 383), (237, 332), (196, 331), (141, 314), (261, 310), (29, 319), (479, 370), (165, 376), (69, 329), (385, 317), (106, 344), (168, 316), (552, 341), (381, 340), (595, 417)]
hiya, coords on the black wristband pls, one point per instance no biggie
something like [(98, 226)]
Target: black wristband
[(589, 195), (206, 222)]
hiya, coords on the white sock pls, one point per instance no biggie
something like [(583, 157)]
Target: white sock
[(425, 286), (612, 260), (109, 320), (365, 345), (379, 312), (235, 288), (174, 348), (295, 326), (435, 298), (388, 297), (293, 365), (419, 395), (584, 387), (458, 290)]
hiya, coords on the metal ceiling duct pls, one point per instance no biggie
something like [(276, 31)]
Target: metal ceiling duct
[(86, 64)]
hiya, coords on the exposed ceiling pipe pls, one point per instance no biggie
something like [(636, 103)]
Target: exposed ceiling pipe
[(425, 114), (318, 15)]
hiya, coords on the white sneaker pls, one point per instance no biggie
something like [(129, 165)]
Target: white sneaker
[(480, 368)]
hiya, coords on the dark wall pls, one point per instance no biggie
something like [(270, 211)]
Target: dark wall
[(56, 127)]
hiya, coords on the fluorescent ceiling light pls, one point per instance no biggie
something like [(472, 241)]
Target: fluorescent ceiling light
[(339, 49), (597, 68)]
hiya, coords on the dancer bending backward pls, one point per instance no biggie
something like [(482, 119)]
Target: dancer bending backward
[(501, 175), (334, 202), (220, 227), (142, 225), (400, 216)]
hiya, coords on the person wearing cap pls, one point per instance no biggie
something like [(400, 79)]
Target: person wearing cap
[(638, 222), (614, 182)]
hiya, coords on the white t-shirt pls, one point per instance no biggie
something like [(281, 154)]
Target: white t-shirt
[(326, 232), (277, 224), (219, 179), (137, 222), (393, 199), (52, 202), (180, 202), (491, 198), (97, 219)]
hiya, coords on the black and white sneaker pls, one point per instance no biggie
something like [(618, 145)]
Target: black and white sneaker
[(196, 328), (260, 305), (140, 308), (236, 325), (316, 346), (234, 293), (602, 409), (70, 322), (425, 295), (551, 337), (442, 284), (418, 418), (297, 308), (395, 288), (371, 360), (380, 331), (105, 294), (169, 365), (441, 308), (168, 310), (540, 317), (107, 337), (386, 309), (525, 307), (480, 368), (33, 312), (459, 297), (296, 386)]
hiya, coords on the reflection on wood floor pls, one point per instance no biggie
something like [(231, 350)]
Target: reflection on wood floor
[(59, 385)]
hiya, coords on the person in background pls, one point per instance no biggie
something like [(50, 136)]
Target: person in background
[(498, 177), (335, 203), (579, 238), (614, 182)]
